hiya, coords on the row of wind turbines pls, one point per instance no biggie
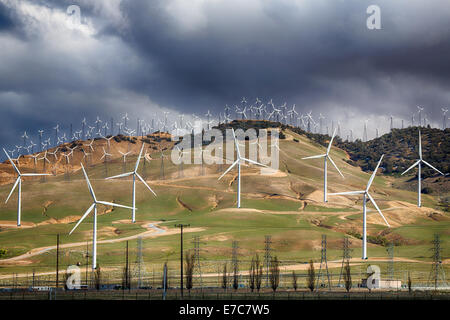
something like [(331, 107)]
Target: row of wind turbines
[(179, 124)]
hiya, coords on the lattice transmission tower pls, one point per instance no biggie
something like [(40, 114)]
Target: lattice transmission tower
[(346, 255), (267, 256), (323, 265), (437, 274)]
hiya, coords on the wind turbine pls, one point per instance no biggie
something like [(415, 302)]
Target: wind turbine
[(19, 182), (419, 173), (444, 120), (124, 157), (238, 163), (94, 206), (326, 157), (366, 195), (135, 174)]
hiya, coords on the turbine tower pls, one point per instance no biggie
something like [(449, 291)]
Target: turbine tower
[(326, 156), (94, 206), (19, 182), (366, 195), (238, 163), (134, 174), (419, 173)]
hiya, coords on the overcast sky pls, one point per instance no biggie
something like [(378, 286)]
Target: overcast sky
[(146, 56)]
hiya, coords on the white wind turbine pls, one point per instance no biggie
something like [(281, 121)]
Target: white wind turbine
[(419, 173), (135, 174), (124, 155), (238, 163), (94, 206), (366, 195), (19, 182), (326, 157), (105, 155)]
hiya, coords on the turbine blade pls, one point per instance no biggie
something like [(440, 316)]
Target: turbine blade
[(35, 174), (254, 162), (139, 157), (415, 164), (82, 218), (143, 181), (114, 204), (346, 193), (432, 167), (331, 141), (334, 164), (374, 173), (236, 144), (315, 157), (234, 163), (14, 166), (88, 183), (120, 175), (378, 209), (12, 190)]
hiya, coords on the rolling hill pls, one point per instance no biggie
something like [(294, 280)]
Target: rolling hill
[(286, 205)]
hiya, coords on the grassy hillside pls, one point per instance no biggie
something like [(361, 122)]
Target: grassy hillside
[(286, 205)]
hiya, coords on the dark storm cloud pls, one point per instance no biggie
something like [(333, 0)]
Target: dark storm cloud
[(189, 56), (6, 21), (284, 52)]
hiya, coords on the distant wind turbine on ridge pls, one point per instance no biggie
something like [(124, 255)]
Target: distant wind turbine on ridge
[(326, 157)]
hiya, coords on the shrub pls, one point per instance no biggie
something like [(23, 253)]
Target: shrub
[(311, 276)]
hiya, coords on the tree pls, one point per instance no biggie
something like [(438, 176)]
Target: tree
[(347, 276), (224, 277), (259, 273), (235, 276), (294, 280), (274, 273), (311, 281), (252, 275), (165, 280), (409, 283), (98, 277), (189, 266), (259, 277)]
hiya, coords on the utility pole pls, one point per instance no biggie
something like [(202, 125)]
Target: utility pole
[(127, 284), (87, 261), (181, 226), (57, 260)]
